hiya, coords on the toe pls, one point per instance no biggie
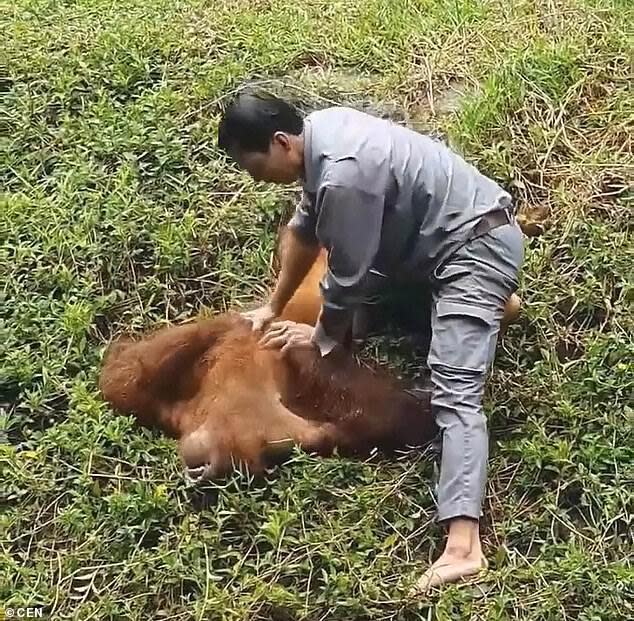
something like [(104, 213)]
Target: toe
[(447, 572)]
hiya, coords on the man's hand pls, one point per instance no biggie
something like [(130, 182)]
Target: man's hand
[(260, 317), (284, 335)]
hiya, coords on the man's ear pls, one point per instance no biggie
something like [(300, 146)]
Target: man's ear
[(283, 140)]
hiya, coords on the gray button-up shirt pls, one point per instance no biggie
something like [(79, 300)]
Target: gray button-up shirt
[(386, 202)]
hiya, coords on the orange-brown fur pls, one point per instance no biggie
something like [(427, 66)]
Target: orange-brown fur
[(226, 400)]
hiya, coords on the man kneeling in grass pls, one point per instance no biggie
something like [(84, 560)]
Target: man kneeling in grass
[(390, 203)]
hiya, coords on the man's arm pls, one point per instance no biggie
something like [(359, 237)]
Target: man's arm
[(299, 252), (350, 220)]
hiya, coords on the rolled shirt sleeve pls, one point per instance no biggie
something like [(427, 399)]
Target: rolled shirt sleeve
[(349, 224)]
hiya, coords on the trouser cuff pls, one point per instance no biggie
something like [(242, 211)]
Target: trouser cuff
[(468, 509)]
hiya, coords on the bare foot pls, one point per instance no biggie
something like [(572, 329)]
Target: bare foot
[(462, 557), (449, 568)]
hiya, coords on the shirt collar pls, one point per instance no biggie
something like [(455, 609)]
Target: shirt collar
[(309, 157)]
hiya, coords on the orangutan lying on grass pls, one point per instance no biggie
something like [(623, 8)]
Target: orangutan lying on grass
[(227, 401)]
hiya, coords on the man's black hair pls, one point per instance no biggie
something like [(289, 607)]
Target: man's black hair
[(250, 120)]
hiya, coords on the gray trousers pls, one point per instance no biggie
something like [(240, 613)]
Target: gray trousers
[(469, 290)]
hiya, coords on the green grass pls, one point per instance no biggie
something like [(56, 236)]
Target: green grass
[(116, 212)]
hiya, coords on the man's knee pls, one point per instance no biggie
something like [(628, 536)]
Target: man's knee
[(457, 396)]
